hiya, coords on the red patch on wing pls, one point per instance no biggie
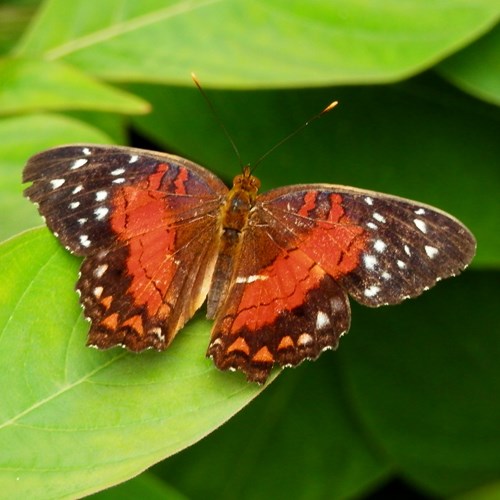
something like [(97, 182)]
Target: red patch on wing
[(335, 243), (281, 286), (140, 218)]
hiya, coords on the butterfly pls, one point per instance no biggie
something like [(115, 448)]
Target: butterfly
[(160, 235)]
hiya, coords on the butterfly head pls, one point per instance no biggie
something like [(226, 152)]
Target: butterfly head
[(246, 182)]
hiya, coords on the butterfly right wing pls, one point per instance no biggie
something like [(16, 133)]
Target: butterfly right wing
[(308, 247), (147, 225)]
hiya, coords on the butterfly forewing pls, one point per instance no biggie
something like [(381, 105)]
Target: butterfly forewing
[(394, 248), (75, 186)]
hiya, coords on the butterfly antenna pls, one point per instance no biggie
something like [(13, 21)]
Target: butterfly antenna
[(217, 118), (296, 131)]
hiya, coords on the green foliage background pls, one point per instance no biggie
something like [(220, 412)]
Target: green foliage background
[(412, 393)]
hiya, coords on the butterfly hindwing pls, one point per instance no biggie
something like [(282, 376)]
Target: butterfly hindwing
[(285, 304), (147, 224)]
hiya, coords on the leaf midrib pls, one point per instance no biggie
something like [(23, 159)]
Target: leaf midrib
[(123, 27), (63, 390)]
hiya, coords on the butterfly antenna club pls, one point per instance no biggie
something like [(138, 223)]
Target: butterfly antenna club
[(295, 132)]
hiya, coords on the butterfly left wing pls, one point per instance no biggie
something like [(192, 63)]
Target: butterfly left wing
[(306, 248), (147, 226)]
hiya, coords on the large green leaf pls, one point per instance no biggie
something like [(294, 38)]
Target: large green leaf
[(260, 43), (300, 439), (74, 420), (421, 140), (476, 69), (20, 138), (424, 378), (33, 85)]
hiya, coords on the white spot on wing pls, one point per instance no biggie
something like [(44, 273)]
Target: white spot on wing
[(157, 331), (78, 163), (372, 291), (118, 171), (82, 221), (101, 195), (322, 320), (336, 304), (74, 204), (84, 240), (251, 279), (386, 275), (56, 183), (369, 200), (133, 159), (420, 211), (100, 270), (98, 292), (370, 261), (407, 250), (401, 264), (431, 251), (217, 341), (120, 180), (379, 246), (421, 225), (86, 151), (101, 212), (371, 225), (77, 189), (378, 217), (304, 339)]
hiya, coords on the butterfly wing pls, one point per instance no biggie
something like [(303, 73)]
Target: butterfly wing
[(410, 247), (306, 248), (147, 226)]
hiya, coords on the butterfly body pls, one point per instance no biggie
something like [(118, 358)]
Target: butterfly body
[(161, 234), (234, 215)]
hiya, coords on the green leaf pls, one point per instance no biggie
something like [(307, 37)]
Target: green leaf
[(488, 492), (19, 139), (34, 85), (256, 44), (476, 69), (300, 439), (76, 420), (146, 485), (424, 378), (14, 17), (420, 140)]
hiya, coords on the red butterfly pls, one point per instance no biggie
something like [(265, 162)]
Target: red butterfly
[(160, 233)]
